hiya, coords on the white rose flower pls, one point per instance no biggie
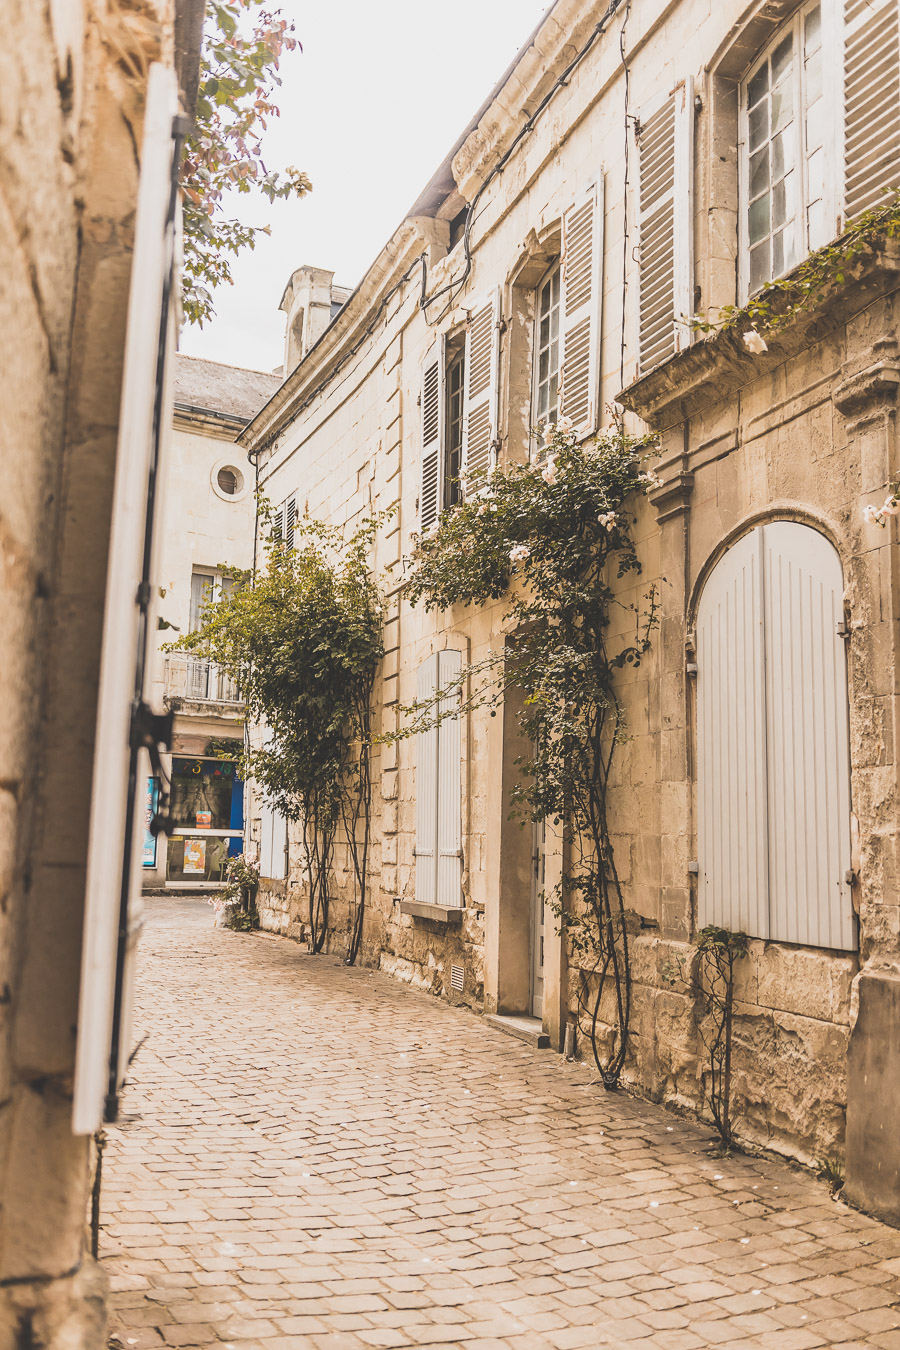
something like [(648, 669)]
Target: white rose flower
[(549, 472), (565, 426), (754, 343), (891, 507), (547, 433), (519, 552), (873, 515), (607, 520), (482, 510)]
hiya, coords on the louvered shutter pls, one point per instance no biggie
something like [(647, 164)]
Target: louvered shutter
[(731, 745), (449, 860), (266, 827), (807, 734), (290, 519), (432, 409), (278, 524), (871, 103), (665, 274), (481, 383), (582, 267), (426, 789)]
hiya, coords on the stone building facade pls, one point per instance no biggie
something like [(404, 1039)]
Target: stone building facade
[(638, 164), (75, 83), (207, 527)]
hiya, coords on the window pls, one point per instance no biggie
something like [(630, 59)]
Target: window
[(787, 151), (285, 519), (453, 426), (230, 481), (207, 807), (438, 803), (773, 762), (547, 348), (206, 589)]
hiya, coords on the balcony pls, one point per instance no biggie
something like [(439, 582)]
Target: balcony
[(194, 679)]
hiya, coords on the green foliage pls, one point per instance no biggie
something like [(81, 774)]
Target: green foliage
[(242, 47), (303, 640), (555, 539), (831, 1172), (719, 949), (780, 302), (224, 747)]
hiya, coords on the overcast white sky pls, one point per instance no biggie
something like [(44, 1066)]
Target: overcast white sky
[(369, 109)]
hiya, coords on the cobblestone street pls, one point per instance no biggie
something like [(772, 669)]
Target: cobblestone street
[(312, 1157)]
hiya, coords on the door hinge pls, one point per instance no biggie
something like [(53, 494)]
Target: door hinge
[(850, 877), (843, 629)]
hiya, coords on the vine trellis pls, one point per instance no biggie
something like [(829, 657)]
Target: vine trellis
[(719, 951), (555, 540)]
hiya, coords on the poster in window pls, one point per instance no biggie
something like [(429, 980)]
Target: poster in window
[(194, 857), (204, 820), (151, 802)]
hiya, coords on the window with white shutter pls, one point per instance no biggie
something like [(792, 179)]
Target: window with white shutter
[(665, 231), (582, 268), (432, 412), (283, 522), (773, 741), (871, 103), (272, 843), (482, 366), (438, 789)]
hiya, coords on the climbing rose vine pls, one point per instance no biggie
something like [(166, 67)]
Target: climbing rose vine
[(554, 538)]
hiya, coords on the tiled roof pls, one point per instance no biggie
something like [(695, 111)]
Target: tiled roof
[(231, 390)]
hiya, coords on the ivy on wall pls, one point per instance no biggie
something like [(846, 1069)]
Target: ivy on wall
[(554, 539)]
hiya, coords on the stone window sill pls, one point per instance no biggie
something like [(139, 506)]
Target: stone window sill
[(450, 915)]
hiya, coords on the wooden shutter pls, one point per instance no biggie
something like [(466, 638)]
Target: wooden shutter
[(582, 269), (871, 103), (665, 274), (481, 383), (731, 745), (773, 741), (290, 518), (807, 735), (449, 859), (432, 407), (426, 789)]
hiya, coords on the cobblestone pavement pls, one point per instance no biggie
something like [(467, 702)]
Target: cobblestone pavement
[(317, 1157)]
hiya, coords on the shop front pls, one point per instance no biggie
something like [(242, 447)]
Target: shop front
[(208, 814)]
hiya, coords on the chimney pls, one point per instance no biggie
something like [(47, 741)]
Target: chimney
[(307, 305)]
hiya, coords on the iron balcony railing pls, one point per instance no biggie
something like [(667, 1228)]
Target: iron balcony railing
[(199, 680)]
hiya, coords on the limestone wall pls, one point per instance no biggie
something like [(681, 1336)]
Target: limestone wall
[(775, 437), (72, 81)]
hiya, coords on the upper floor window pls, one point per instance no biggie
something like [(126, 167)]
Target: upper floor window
[(546, 347), (788, 151), (453, 429)]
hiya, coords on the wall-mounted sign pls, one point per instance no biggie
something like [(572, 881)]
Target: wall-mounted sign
[(151, 802)]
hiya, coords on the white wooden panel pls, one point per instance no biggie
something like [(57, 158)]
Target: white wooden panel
[(432, 410), (808, 739), (272, 843), (731, 746), (582, 267), (426, 790), (449, 870), (109, 790), (481, 377), (266, 825), (665, 228)]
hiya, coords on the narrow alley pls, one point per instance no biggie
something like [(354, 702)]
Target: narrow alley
[(317, 1157)]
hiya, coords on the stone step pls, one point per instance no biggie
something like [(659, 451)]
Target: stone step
[(528, 1029)]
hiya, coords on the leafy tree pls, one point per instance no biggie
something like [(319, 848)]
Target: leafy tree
[(555, 539), (303, 640), (241, 51)]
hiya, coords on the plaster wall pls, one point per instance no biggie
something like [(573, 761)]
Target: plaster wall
[(72, 85), (772, 438)]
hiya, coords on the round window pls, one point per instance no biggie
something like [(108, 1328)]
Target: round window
[(230, 481)]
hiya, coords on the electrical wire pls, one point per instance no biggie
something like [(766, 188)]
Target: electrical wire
[(625, 194)]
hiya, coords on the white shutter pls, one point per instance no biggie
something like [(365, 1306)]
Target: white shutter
[(426, 789), (449, 868), (582, 277), (731, 744), (151, 261), (266, 821), (773, 741), (665, 228), (432, 436), (272, 843), (481, 377), (871, 103), (807, 734)]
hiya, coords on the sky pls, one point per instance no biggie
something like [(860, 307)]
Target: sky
[(369, 109)]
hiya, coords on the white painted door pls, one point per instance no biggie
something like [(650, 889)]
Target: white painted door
[(538, 914)]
